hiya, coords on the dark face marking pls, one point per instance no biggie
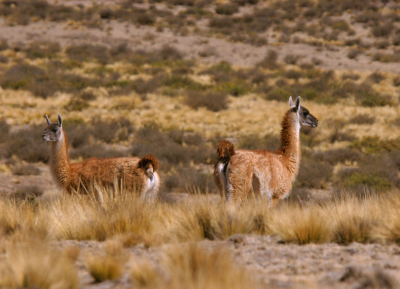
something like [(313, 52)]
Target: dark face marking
[(306, 118), (52, 132)]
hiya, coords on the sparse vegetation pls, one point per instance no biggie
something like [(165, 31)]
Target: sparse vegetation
[(177, 98)]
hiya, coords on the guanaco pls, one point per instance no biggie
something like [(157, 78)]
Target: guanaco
[(270, 174), (138, 174)]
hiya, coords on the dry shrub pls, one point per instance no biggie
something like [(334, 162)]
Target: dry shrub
[(96, 151), (340, 155), (76, 104), (27, 146), (292, 58), (313, 174), (112, 131), (25, 170), (353, 53), (214, 101), (33, 263), (3, 45), (226, 9), (270, 61), (189, 180), (3, 59), (253, 142), (396, 81), (382, 30), (376, 77), (172, 148), (42, 49), (87, 52), (27, 193), (350, 75), (362, 119)]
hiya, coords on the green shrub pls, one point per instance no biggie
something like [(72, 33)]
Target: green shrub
[(234, 88), (278, 94), (375, 145), (214, 101), (371, 180)]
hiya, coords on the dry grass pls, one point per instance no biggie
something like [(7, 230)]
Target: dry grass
[(31, 262), (191, 266), (126, 220), (103, 268)]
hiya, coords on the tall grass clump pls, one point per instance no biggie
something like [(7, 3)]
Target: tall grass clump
[(33, 263), (354, 220), (85, 218), (191, 266), (301, 225)]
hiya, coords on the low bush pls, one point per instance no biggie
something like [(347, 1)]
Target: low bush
[(109, 132), (95, 151), (279, 94), (314, 174), (27, 192), (375, 145), (171, 148), (87, 52), (341, 155), (253, 142), (270, 61), (362, 119), (292, 59), (226, 9), (25, 170), (42, 49), (214, 101), (376, 77), (27, 145)]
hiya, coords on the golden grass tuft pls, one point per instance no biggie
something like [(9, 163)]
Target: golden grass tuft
[(103, 268), (191, 266), (33, 263), (301, 225)]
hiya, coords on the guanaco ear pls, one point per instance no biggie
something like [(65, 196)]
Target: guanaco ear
[(59, 120), (291, 102), (48, 120), (298, 103)]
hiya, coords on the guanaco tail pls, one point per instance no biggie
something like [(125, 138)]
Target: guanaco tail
[(270, 174), (133, 173)]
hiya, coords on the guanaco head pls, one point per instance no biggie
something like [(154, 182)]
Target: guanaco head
[(150, 165), (304, 116), (53, 131)]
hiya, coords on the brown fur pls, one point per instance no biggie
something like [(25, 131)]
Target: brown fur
[(269, 173), (133, 173)]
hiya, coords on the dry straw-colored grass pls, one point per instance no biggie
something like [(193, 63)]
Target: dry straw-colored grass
[(124, 220), (129, 220), (193, 267), (31, 262)]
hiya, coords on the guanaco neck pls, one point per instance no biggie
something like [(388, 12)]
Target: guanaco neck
[(290, 141), (59, 161)]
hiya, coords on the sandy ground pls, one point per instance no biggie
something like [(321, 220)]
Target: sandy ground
[(279, 265)]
